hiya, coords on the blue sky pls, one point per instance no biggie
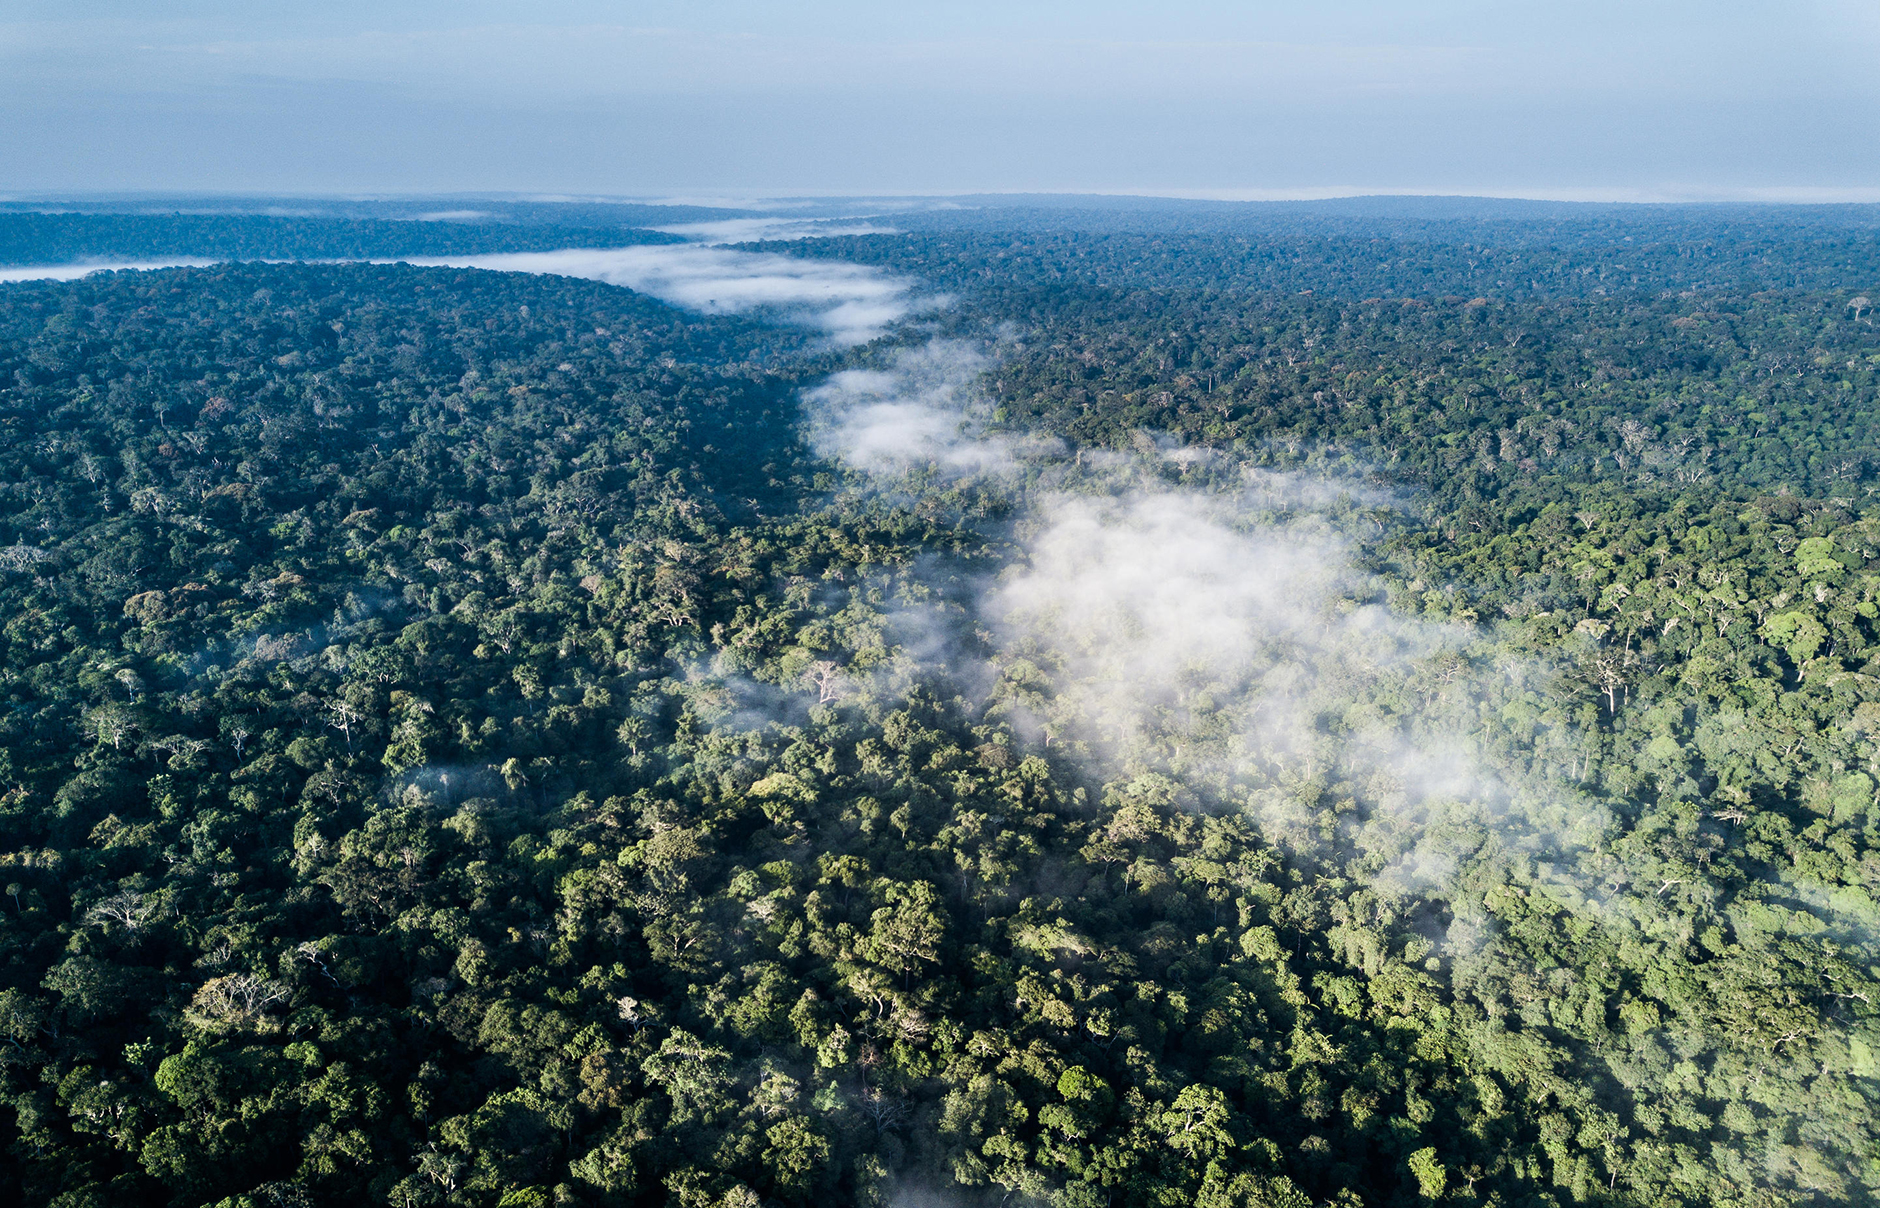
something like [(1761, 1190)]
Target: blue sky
[(735, 98)]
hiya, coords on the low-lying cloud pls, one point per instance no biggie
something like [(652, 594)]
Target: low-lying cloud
[(73, 272), (851, 303), (1172, 632), (754, 230), (920, 410), (1170, 610)]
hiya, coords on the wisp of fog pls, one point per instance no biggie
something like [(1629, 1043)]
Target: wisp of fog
[(920, 410), (850, 303), (1170, 612), (85, 268), (754, 230)]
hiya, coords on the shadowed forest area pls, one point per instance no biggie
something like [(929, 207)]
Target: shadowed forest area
[(1348, 718)]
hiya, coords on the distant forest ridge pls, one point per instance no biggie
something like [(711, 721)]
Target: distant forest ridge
[(32, 239), (1355, 247)]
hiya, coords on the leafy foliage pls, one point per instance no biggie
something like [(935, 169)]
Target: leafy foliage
[(460, 747), (33, 238)]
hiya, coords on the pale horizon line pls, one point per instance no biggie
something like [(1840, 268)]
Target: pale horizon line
[(1692, 195)]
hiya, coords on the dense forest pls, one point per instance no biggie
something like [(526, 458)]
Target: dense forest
[(473, 738), (36, 239), (1001, 267)]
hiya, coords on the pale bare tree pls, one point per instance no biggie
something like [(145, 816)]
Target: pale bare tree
[(1608, 672), (22, 557), (344, 716), (441, 1168), (126, 909), (884, 1111), (235, 1000), (310, 952), (827, 677), (111, 724)]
